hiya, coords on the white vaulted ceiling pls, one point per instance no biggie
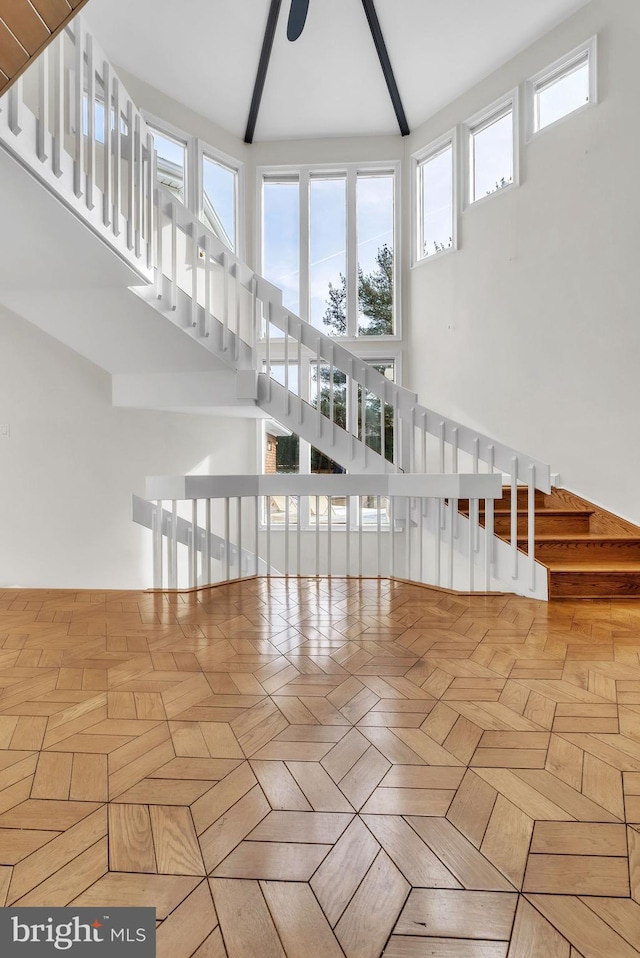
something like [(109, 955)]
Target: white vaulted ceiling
[(204, 53)]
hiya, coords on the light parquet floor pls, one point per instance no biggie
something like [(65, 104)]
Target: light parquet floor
[(327, 768)]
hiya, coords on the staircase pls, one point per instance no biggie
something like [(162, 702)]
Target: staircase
[(103, 171), (587, 551)]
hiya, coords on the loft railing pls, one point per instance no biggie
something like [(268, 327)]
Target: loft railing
[(70, 121), (221, 528)]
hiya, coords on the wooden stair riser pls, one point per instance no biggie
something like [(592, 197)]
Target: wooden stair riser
[(594, 583), (584, 550), (547, 523), (541, 500)]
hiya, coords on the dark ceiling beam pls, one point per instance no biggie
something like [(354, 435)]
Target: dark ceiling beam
[(385, 63), (263, 66)]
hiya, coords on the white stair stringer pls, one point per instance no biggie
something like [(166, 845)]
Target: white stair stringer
[(332, 440)]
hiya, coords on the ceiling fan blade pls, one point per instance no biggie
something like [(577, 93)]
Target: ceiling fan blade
[(297, 18)]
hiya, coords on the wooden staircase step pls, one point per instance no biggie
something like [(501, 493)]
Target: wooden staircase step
[(505, 502), (604, 579), (583, 547), (548, 521)]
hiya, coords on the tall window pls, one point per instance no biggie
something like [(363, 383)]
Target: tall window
[(172, 162), (281, 237), (219, 197), (566, 86), (328, 241), (491, 140), (435, 179), (327, 248)]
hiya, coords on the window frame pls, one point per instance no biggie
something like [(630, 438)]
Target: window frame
[(418, 159), (195, 148), (305, 173), (563, 66), (204, 149), (476, 124)]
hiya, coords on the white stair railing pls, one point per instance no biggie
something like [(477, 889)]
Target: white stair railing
[(224, 528), (235, 312), (70, 121)]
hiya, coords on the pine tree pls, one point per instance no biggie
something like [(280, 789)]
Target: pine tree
[(375, 299)]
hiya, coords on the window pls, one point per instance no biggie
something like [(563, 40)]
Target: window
[(491, 141), (328, 251), (219, 196), (206, 181), (435, 199), (374, 218), (172, 162), (564, 87), (328, 241), (281, 237)]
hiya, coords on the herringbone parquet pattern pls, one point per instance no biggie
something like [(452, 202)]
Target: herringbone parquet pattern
[(327, 768)]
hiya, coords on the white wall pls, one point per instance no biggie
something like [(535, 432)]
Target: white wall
[(72, 462), (530, 331)]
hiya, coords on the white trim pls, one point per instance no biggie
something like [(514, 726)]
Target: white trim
[(475, 124), (418, 159), (556, 71)]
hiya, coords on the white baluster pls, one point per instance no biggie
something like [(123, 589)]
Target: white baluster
[(16, 106), (91, 124), (150, 187), (514, 517), (108, 147), (206, 556), (208, 266), (42, 125), (194, 274), (131, 177), (78, 169), (174, 257), (531, 530), (227, 543), (194, 544), (138, 192), (118, 160), (157, 545), (59, 125), (239, 534)]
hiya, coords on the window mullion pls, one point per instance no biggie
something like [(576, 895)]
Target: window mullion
[(304, 244), (352, 253)]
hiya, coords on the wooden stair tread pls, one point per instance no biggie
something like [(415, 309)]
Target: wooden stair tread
[(601, 565), (539, 512), (581, 537)]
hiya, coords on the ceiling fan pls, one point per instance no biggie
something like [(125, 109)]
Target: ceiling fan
[(297, 18)]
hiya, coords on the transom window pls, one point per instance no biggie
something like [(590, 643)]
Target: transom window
[(436, 215), (491, 151), (564, 87), (328, 241)]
